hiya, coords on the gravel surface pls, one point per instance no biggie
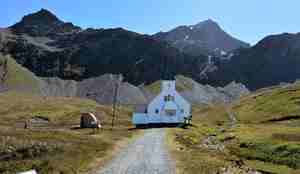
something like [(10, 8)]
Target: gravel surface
[(147, 155)]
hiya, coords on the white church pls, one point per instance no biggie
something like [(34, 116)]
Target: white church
[(169, 107)]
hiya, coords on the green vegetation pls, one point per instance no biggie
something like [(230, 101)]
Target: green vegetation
[(266, 136), (59, 147), (190, 155), (182, 84), (17, 76), (268, 105)]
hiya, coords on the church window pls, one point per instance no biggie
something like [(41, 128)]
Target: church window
[(166, 98)]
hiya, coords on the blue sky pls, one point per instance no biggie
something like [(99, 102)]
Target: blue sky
[(247, 20)]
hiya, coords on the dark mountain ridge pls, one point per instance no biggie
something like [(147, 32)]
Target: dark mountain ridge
[(50, 47), (273, 60), (42, 43), (206, 37), (43, 23)]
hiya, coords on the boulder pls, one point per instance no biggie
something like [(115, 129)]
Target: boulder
[(89, 120)]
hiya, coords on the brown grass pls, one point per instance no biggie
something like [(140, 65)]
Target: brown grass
[(76, 150)]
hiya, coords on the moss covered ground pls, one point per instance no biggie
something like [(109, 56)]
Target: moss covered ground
[(60, 147), (265, 137)]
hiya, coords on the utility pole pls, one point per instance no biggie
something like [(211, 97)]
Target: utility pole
[(115, 100)]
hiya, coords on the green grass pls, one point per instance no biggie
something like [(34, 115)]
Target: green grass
[(266, 136), (182, 84), (19, 77), (210, 115), (190, 156), (186, 144), (269, 105), (270, 167), (57, 149), (270, 143)]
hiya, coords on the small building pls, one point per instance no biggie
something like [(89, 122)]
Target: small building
[(169, 107), (89, 120)]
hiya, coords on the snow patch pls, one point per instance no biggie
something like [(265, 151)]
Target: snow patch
[(186, 37)]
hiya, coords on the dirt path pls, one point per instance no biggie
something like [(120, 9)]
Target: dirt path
[(147, 155)]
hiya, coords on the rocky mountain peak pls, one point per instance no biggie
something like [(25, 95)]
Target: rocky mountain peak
[(202, 38), (43, 15), (209, 23), (43, 23)]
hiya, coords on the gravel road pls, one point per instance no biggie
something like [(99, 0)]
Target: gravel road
[(147, 155)]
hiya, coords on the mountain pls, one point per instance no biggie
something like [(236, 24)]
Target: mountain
[(14, 77), (44, 23), (273, 60), (206, 37), (200, 94), (50, 47)]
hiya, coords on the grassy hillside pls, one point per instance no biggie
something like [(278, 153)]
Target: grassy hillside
[(267, 105), (17, 77), (182, 84), (56, 148), (264, 136)]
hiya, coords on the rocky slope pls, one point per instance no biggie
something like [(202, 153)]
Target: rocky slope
[(102, 89), (14, 77), (206, 37), (201, 94), (50, 47), (273, 60), (44, 23)]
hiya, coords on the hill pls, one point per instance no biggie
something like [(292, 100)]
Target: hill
[(206, 37), (259, 133), (273, 60), (14, 77), (197, 93)]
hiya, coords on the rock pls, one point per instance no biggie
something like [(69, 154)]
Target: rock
[(39, 120), (100, 89), (212, 143), (205, 94), (89, 120)]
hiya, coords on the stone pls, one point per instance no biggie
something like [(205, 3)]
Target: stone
[(89, 120)]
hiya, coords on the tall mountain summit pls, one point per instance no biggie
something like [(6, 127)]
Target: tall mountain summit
[(43, 23), (206, 37), (49, 47)]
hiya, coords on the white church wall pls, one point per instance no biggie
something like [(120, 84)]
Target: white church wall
[(159, 104)]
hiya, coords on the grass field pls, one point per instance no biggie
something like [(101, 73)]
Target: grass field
[(182, 84), (58, 148), (19, 77), (266, 136)]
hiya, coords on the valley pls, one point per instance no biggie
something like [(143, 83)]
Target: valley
[(245, 100)]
